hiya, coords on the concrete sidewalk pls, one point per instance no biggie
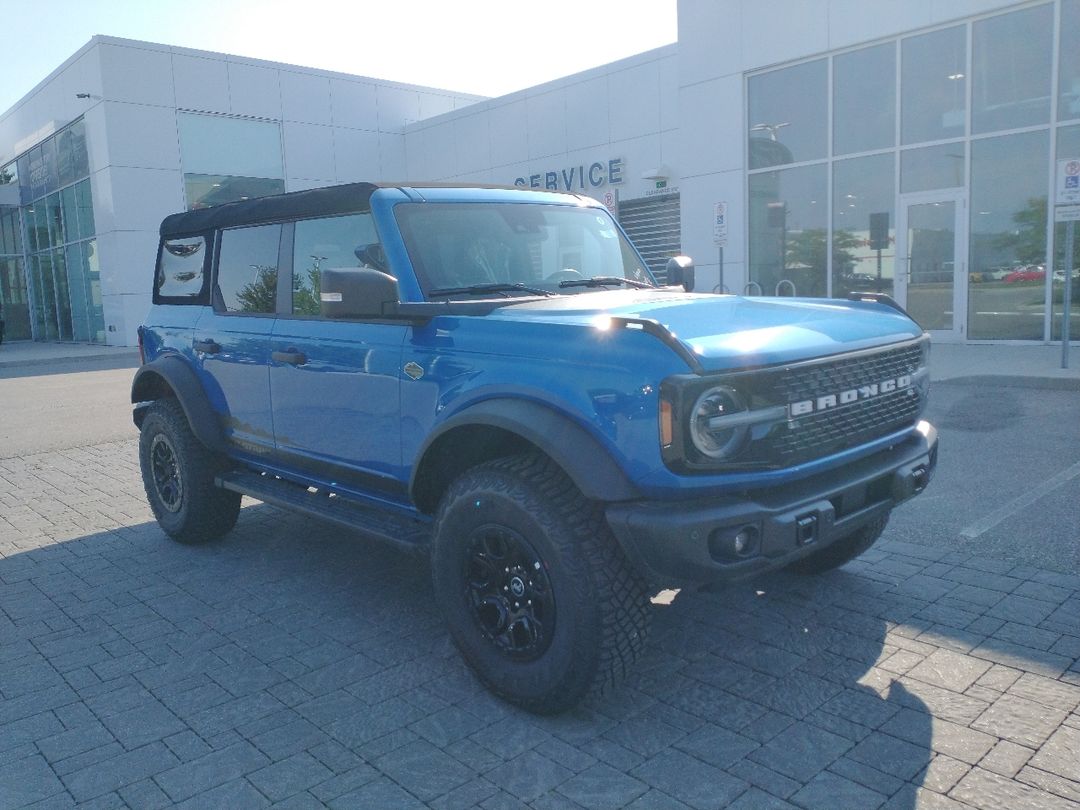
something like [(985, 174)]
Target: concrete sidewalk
[(30, 353)]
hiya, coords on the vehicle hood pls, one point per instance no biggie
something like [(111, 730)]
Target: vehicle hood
[(728, 331)]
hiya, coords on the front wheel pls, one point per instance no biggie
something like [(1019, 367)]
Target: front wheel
[(537, 594), (178, 474), (841, 551)]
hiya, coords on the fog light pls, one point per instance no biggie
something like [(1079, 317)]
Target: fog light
[(727, 545), (742, 542)]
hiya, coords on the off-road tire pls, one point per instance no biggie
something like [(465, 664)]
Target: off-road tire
[(190, 509), (841, 551), (601, 607)]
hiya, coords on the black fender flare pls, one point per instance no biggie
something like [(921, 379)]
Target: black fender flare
[(588, 463), (172, 375)]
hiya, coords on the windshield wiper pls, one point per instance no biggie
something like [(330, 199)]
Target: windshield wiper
[(604, 281), (482, 289)]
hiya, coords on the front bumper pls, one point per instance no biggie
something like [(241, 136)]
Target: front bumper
[(677, 543)]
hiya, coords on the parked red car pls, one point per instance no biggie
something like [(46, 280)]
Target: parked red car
[(1032, 272)]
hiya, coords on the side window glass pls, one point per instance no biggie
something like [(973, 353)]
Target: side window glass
[(330, 243), (248, 269), (180, 269)]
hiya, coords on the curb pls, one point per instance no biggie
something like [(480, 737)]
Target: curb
[(1008, 381)]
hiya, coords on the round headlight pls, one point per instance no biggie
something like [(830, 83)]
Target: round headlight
[(707, 431)]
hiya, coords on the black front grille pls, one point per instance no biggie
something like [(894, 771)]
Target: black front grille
[(836, 428)]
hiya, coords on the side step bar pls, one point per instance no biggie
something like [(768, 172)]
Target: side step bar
[(410, 534)]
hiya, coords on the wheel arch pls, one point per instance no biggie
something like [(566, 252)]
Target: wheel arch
[(171, 376), (502, 427)]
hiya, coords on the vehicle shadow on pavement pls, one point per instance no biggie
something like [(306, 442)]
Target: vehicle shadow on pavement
[(293, 657)]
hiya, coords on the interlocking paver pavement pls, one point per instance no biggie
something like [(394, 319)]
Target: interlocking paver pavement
[(297, 664)]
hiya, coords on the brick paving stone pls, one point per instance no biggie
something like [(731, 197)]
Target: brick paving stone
[(1050, 782), (528, 776), (866, 775), (949, 670), (755, 799), (829, 790), (235, 795), (987, 790), (942, 773), (717, 746), (1006, 758), (1020, 720), (118, 771), (802, 752), (690, 780), (424, 770), (144, 724), (946, 738), (1047, 692), (27, 780), (287, 777), (1061, 754), (209, 771), (603, 788)]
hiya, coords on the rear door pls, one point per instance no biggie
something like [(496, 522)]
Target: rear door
[(231, 340), (333, 383)]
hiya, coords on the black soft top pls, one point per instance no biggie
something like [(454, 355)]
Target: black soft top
[(345, 199), (350, 198)]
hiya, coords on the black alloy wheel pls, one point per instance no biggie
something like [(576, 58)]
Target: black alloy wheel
[(508, 589)]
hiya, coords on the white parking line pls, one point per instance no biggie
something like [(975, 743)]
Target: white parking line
[(1014, 506)]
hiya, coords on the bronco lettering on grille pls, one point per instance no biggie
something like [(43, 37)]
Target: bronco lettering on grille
[(863, 392)]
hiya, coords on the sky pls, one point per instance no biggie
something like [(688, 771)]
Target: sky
[(486, 47)]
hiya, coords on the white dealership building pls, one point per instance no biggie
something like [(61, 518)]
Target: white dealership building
[(809, 148)]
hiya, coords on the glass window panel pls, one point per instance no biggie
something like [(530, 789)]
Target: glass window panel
[(41, 225), (9, 175), (932, 167), (788, 223), (70, 213), (65, 166), (1007, 268), (1068, 142), (248, 268), (864, 225), (80, 159), (1011, 57), (207, 190), (932, 86), (1069, 71), (7, 234), (85, 204), (63, 298), (37, 177), (23, 164), (214, 144), (77, 287), (55, 219), (332, 242), (48, 157), (864, 100), (788, 118), (46, 294), (180, 272), (92, 275), (16, 312)]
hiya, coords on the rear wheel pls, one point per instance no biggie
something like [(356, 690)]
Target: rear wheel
[(537, 595), (178, 474), (841, 551)]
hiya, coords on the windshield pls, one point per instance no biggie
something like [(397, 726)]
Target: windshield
[(499, 249)]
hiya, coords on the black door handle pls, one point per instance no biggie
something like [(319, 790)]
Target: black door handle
[(290, 356), (206, 346)]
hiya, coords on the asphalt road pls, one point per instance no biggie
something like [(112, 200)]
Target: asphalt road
[(70, 405), (1007, 486)]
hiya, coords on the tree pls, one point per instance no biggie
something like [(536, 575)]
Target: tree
[(259, 295)]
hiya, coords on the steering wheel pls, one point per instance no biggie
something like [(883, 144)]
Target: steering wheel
[(563, 275)]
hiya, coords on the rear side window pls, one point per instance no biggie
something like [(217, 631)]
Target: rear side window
[(181, 270), (247, 275)]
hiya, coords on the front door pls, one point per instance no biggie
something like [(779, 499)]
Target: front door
[(931, 278)]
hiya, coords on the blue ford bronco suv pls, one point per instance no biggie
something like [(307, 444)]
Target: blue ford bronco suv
[(493, 376)]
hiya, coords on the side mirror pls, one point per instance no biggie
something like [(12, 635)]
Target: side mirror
[(357, 292), (680, 270)]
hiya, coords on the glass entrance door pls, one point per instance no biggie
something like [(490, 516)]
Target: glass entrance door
[(932, 255)]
